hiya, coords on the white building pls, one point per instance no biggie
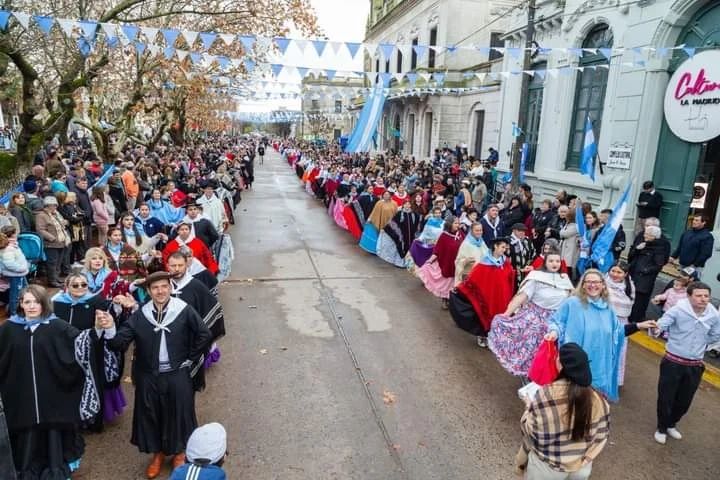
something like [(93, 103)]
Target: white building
[(427, 121), (675, 147), (326, 105)]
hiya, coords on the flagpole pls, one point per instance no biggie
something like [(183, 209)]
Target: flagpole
[(522, 113)]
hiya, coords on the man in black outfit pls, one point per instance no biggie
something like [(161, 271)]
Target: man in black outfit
[(648, 205), (202, 228)]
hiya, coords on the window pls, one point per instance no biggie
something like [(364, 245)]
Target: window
[(496, 41), (399, 62), (534, 113), (315, 105), (387, 66), (413, 55), (377, 64), (590, 88), (431, 52), (338, 106)]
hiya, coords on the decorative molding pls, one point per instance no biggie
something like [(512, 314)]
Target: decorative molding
[(434, 18), (586, 7)]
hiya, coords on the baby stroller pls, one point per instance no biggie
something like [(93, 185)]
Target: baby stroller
[(31, 245)]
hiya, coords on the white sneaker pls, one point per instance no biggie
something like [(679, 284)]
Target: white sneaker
[(674, 433), (660, 438), (482, 342)]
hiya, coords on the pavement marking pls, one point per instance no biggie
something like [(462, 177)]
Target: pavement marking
[(711, 375)]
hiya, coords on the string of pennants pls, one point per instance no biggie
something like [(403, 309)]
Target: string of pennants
[(129, 34)]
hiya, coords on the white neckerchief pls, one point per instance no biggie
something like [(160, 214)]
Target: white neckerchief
[(179, 283), (174, 307)]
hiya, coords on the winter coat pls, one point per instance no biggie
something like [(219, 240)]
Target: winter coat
[(52, 231), (645, 265), (24, 216), (569, 244), (652, 209), (101, 216), (695, 247)]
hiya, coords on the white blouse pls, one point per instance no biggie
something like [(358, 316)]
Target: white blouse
[(543, 294)]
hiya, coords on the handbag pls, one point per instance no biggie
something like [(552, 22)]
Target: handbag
[(543, 369)]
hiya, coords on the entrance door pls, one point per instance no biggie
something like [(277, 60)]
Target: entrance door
[(411, 134), (428, 134), (479, 126)]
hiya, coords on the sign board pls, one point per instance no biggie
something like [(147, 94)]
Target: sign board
[(619, 157), (699, 195), (692, 98)]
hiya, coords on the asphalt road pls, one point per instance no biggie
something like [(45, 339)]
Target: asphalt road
[(337, 365)]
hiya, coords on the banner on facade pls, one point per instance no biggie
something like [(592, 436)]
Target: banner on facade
[(619, 157), (692, 98)]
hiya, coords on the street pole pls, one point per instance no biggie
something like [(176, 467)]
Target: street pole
[(522, 114)]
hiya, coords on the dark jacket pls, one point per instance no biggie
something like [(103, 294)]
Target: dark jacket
[(695, 247), (204, 231), (645, 264), (511, 216), (488, 233), (85, 204), (25, 218), (652, 209)]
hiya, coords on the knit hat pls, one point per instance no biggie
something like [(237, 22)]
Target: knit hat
[(575, 364), (207, 444), (29, 185), (50, 200)]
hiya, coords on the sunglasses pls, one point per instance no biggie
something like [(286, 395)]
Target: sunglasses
[(78, 285)]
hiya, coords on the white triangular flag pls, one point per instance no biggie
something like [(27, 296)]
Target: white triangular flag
[(481, 76), (189, 37), (181, 54), (110, 29), (227, 38), (150, 33), (425, 76), (22, 18), (66, 25), (154, 50)]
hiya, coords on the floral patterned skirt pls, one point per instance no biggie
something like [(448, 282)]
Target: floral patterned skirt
[(514, 340)]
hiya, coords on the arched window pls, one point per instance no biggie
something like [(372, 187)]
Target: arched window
[(589, 93), (534, 112)]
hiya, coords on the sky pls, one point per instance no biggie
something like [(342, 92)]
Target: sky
[(340, 21)]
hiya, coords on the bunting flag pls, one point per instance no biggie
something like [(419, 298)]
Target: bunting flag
[(368, 120), (44, 23), (130, 31), (319, 46), (4, 17), (23, 19), (189, 37), (248, 42), (170, 35), (207, 39), (387, 50), (352, 48), (282, 44)]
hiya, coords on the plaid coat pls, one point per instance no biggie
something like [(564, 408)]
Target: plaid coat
[(547, 433)]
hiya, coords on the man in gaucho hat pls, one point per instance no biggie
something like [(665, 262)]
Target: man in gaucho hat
[(169, 337)]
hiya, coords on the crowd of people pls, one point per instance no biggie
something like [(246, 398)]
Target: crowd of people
[(519, 273), (130, 253)]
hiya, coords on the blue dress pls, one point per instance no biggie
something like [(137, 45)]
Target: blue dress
[(598, 331), (369, 239)]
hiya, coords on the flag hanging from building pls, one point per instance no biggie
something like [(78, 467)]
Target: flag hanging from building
[(602, 255), (583, 259), (367, 124), (516, 131), (587, 161)]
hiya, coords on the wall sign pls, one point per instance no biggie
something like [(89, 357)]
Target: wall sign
[(619, 157), (692, 98), (699, 194)]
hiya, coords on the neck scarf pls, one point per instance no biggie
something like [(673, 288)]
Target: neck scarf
[(496, 262), (475, 242), (129, 232), (115, 249), (96, 281), (28, 324), (65, 297)]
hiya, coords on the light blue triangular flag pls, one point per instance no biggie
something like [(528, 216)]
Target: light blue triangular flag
[(420, 50), (89, 29), (223, 61), (44, 23), (386, 77), (484, 50), (662, 52), (248, 41), (276, 69), (387, 50), (319, 46), (540, 73), (330, 74), (140, 48), (352, 48), (130, 31), (690, 51), (439, 78), (451, 49), (282, 43), (169, 52), (302, 71), (207, 39), (4, 17), (84, 47), (195, 58), (412, 78), (170, 35), (606, 52), (513, 52), (111, 41), (544, 50), (575, 51)]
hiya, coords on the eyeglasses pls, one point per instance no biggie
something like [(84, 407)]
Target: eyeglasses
[(78, 285), (592, 282)]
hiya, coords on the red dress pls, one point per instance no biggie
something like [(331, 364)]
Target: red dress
[(400, 200), (489, 289), (538, 263), (200, 251)]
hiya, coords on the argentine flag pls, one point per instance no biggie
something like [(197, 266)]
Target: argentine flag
[(587, 162), (602, 254)]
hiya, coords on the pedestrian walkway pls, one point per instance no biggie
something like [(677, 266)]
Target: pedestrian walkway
[(339, 366)]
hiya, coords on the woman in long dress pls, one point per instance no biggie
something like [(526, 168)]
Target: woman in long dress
[(587, 319), (381, 215), (395, 239), (438, 272), (622, 295), (422, 247), (516, 334), (472, 250)]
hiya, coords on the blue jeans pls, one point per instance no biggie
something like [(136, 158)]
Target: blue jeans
[(16, 285)]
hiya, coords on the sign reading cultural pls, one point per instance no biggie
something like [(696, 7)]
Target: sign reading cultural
[(692, 98)]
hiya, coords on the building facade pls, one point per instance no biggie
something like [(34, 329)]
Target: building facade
[(630, 99), (417, 124), (327, 106)]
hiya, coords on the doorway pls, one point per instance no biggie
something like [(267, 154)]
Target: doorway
[(428, 134), (410, 145), (479, 127)]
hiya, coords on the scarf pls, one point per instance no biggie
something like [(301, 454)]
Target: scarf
[(90, 399), (114, 249), (65, 297), (495, 262), (96, 281), (475, 242), (28, 324), (129, 233)]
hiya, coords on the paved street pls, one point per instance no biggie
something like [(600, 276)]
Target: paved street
[(339, 366)]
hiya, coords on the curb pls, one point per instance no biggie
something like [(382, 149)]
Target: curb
[(711, 375)]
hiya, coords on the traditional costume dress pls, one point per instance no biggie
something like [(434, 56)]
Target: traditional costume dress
[(439, 276), (168, 341), (354, 218), (514, 340), (193, 292), (622, 304), (107, 283), (381, 215), (521, 256), (199, 250), (471, 251), (489, 288), (125, 260), (422, 248), (397, 236), (106, 366), (213, 210), (166, 213), (46, 395), (595, 327)]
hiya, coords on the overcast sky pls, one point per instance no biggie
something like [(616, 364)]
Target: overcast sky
[(341, 21)]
